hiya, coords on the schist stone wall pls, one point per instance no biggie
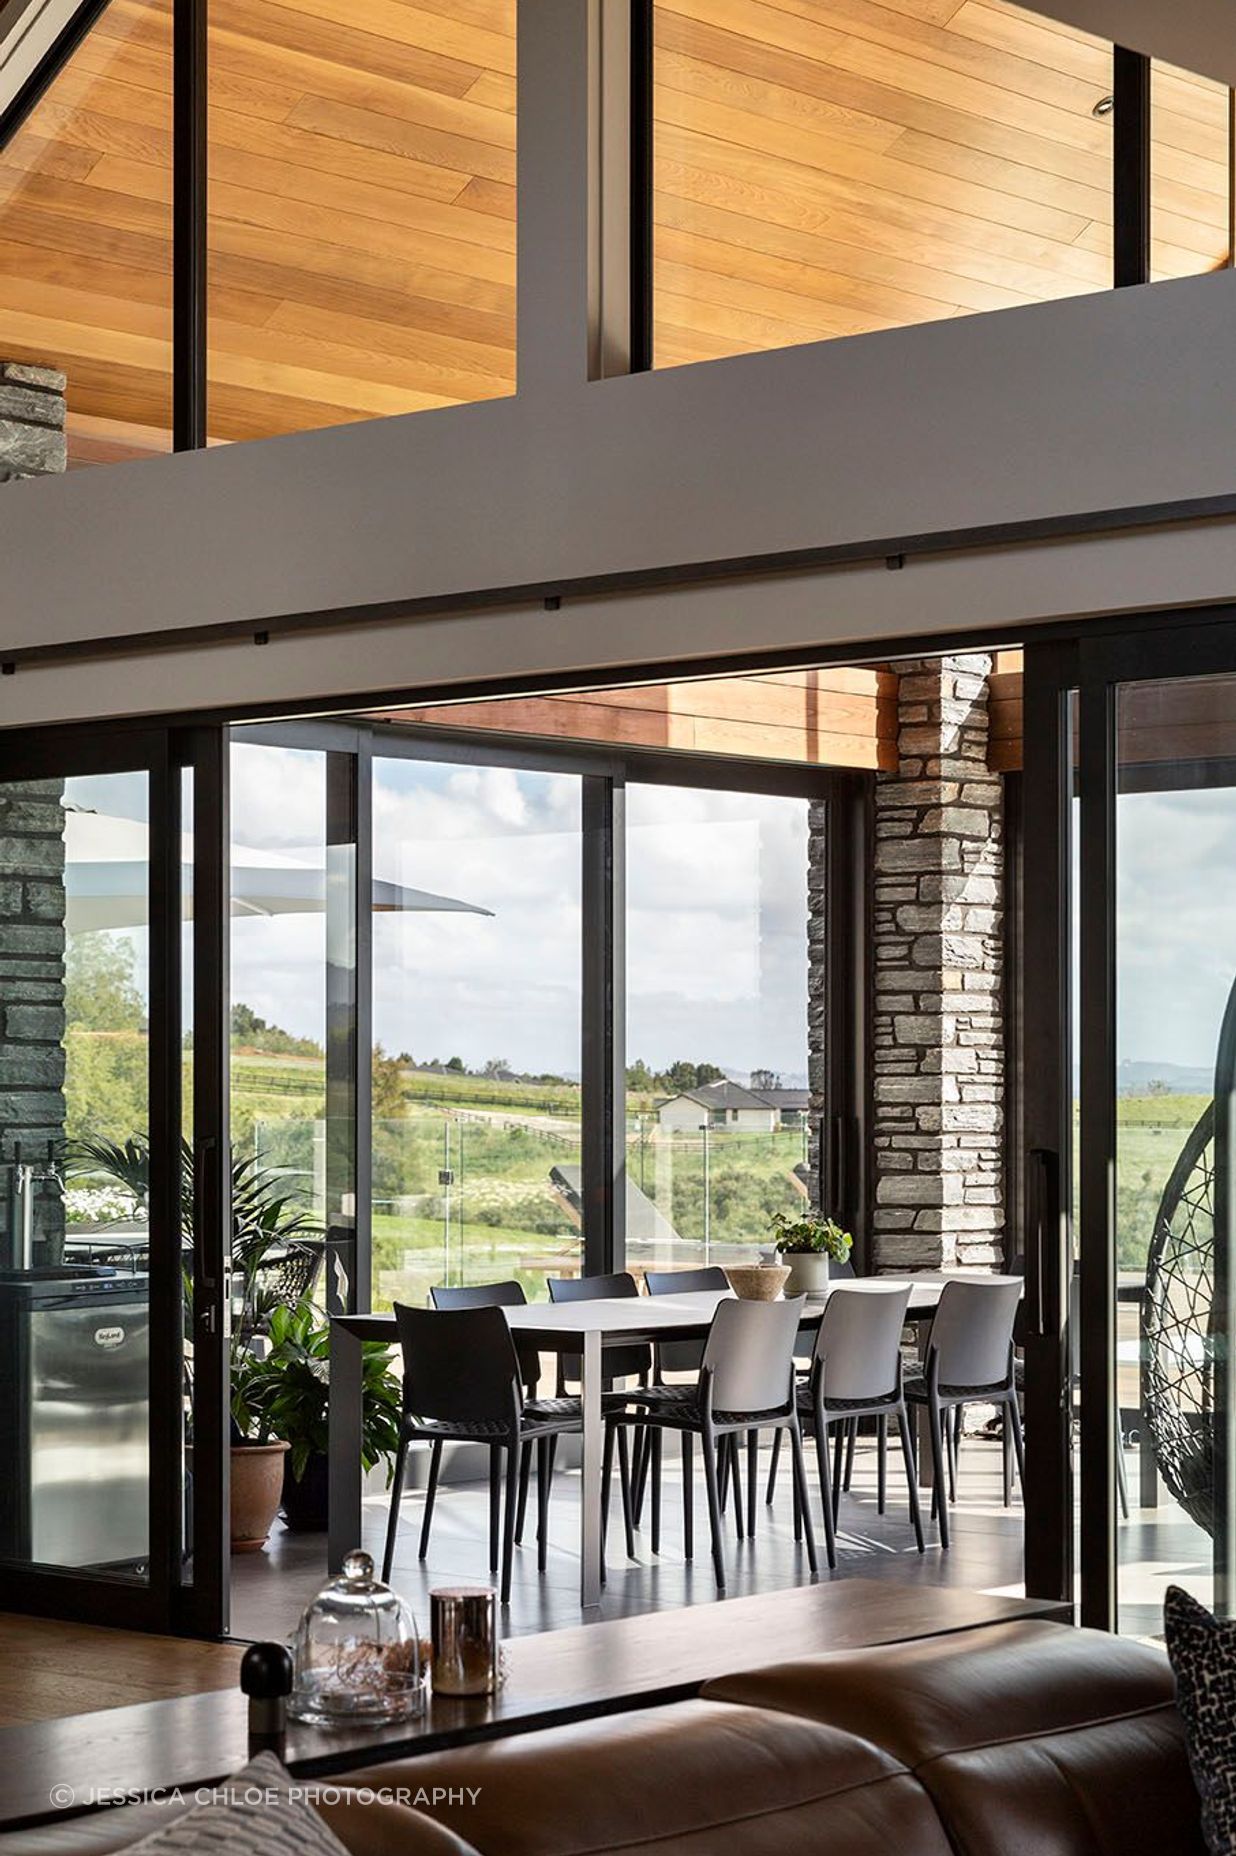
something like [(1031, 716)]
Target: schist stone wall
[(938, 1032), (32, 909), (937, 1158), (32, 441), (32, 1021)]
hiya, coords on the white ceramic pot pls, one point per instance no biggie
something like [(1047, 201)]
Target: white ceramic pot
[(808, 1272)]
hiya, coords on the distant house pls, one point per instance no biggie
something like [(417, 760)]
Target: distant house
[(792, 1105), (719, 1105)]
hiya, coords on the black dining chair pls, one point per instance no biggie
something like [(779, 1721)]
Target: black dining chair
[(746, 1385), (463, 1383), (856, 1373), (509, 1294), (969, 1362)]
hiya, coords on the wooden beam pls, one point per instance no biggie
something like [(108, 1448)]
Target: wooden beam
[(822, 718)]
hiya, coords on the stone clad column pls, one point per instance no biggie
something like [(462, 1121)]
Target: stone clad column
[(32, 1016), (32, 908), (32, 411), (938, 1030)]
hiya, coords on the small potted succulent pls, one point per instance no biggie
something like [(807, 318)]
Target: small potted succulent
[(808, 1244)]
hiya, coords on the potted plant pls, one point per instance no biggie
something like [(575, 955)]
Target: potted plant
[(808, 1244), (284, 1395), (267, 1215)]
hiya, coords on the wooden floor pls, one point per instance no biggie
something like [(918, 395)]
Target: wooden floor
[(49, 1669)]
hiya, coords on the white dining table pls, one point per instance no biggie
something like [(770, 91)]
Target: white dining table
[(585, 1329)]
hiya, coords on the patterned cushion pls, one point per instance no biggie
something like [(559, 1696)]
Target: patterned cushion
[(255, 1815), (1203, 1658)]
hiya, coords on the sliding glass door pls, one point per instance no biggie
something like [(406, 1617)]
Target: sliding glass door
[(112, 1420), (1130, 1275)]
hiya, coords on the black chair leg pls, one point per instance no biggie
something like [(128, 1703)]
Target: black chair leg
[(938, 1456), (723, 1470), (712, 1482), (431, 1495), (1006, 1459), (1013, 1421), (804, 1495), (826, 1494), (736, 1482), (881, 1461), (688, 1496), (773, 1466), (495, 1505), (624, 1476), (656, 1488), (907, 1451), (839, 1444), (641, 1472), (607, 1476), (525, 1470), (542, 1500), (753, 1466), (952, 1436), (513, 1454), (392, 1519), (851, 1439)]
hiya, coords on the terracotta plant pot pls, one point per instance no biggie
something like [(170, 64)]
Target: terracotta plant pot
[(257, 1487), (808, 1271)]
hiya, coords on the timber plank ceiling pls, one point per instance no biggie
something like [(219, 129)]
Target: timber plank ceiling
[(822, 168)]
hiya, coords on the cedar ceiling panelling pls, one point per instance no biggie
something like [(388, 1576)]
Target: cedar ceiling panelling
[(822, 168), (361, 228), (844, 717), (830, 167)]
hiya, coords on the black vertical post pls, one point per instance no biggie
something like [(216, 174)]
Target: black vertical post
[(1046, 1091), (165, 1279), (1223, 1316), (189, 183), (1131, 167), (1097, 1318), (212, 1181), (349, 1030), (844, 1137), (603, 1058), (641, 185)]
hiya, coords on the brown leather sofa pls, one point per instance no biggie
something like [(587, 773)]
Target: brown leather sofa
[(1018, 1740)]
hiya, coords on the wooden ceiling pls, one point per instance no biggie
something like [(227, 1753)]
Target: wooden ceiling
[(839, 717), (829, 167), (362, 217), (822, 167)]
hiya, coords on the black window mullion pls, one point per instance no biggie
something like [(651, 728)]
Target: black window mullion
[(641, 185), (1131, 167), (189, 157), (603, 1026)]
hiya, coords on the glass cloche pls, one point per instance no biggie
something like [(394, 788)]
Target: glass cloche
[(356, 1653)]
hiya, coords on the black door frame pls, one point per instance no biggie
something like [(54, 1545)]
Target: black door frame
[(1071, 689), (166, 1600)]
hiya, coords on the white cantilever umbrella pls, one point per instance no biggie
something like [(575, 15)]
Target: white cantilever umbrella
[(107, 879)]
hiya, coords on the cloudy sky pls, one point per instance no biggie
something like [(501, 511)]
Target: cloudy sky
[(1176, 923), (716, 916), (716, 922)]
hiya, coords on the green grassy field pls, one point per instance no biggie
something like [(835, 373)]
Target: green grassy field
[(501, 1140)]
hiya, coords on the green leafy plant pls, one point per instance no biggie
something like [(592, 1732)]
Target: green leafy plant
[(811, 1236), (285, 1393)]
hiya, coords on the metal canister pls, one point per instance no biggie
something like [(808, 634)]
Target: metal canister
[(464, 1628)]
